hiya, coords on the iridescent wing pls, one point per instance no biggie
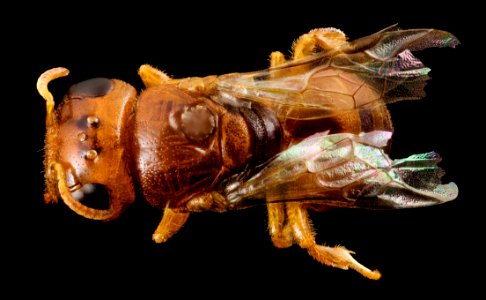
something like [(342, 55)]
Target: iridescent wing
[(373, 70), (344, 170)]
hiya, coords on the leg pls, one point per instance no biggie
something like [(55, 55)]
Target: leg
[(338, 257), (321, 38), (209, 201), (297, 226), (198, 86), (171, 222), (277, 58), (152, 76), (280, 232)]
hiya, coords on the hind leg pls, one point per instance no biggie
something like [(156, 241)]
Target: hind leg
[(320, 39), (280, 232), (306, 44), (338, 256), (290, 222)]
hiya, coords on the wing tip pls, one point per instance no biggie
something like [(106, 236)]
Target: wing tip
[(447, 192)]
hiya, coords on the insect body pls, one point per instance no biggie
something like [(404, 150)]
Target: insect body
[(308, 133)]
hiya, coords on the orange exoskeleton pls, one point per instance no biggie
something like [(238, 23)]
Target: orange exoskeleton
[(310, 132)]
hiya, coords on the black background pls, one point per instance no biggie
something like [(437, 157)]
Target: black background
[(429, 250)]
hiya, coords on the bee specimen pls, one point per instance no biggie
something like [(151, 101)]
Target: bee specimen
[(308, 133)]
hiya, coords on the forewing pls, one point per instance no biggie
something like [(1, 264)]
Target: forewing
[(373, 70), (345, 170)]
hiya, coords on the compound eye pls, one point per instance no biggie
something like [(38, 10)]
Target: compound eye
[(95, 87)]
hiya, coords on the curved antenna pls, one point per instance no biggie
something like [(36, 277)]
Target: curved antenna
[(76, 206), (51, 143), (42, 83)]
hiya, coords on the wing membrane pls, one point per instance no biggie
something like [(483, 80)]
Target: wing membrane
[(345, 170), (369, 71)]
